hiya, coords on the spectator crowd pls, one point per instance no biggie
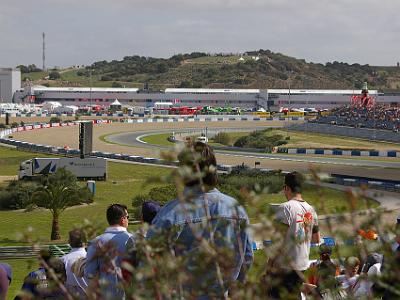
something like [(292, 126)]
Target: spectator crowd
[(376, 117), (203, 238)]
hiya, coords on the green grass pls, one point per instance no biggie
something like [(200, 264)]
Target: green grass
[(158, 139), (323, 141), (324, 200), (125, 181), (20, 268), (10, 160), (34, 75)]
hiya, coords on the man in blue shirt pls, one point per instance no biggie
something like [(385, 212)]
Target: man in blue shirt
[(208, 229), (105, 253)]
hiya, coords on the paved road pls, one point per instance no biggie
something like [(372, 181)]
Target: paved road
[(133, 139)]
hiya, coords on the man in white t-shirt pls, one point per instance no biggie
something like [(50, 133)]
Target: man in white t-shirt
[(75, 285), (298, 223)]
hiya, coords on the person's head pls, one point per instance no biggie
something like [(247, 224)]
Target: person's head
[(149, 210), (117, 214), (352, 265), (293, 184), (200, 158), (325, 252), (45, 255), (57, 265), (76, 237)]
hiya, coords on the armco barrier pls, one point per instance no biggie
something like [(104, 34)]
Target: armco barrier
[(339, 152), (387, 185)]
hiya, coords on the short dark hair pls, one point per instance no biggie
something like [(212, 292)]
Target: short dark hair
[(76, 237), (150, 209), (200, 157), (115, 212), (294, 181)]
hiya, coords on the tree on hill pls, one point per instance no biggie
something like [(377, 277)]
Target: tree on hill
[(29, 68), (54, 75), (57, 192)]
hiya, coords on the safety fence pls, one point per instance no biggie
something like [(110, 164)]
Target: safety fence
[(342, 152)]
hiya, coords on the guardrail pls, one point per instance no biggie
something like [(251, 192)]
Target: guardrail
[(12, 252), (341, 152)]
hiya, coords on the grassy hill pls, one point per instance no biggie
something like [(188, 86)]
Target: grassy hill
[(270, 70)]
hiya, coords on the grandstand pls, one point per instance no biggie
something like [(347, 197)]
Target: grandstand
[(377, 117)]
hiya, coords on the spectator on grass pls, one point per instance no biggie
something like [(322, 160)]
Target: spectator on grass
[(348, 280), (56, 280), (5, 280), (75, 285), (324, 270), (202, 224), (36, 281), (370, 271), (105, 254), (149, 211), (298, 223)]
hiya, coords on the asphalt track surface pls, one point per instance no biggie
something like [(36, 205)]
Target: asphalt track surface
[(134, 139), (68, 136)]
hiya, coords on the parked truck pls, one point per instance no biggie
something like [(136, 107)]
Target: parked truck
[(86, 168)]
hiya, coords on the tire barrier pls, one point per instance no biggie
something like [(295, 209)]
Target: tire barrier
[(341, 152)]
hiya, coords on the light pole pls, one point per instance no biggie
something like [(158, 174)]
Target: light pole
[(90, 90)]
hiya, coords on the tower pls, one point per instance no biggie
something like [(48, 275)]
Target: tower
[(43, 51)]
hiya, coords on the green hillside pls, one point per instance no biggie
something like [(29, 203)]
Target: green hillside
[(269, 70)]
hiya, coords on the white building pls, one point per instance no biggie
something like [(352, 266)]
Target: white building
[(10, 82), (271, 99)]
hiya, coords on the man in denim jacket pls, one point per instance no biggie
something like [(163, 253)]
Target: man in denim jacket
[(105, 253), (205, 216)]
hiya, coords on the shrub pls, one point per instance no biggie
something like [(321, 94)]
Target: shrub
[(160, 194), (55, 120), (240, 179), (222, 138), (116, 84), (17, 195), (54, 75), (106, 78)]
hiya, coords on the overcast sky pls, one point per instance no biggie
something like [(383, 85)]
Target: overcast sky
[(85, 31)]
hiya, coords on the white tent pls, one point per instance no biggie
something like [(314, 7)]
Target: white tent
[(116, 103), (51, 105)]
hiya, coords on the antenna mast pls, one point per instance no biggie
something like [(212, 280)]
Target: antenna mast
[(44, 50)]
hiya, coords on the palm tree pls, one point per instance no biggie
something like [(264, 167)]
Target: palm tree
[(59, 191)]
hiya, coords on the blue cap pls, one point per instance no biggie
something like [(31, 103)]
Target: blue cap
[(150, 209)]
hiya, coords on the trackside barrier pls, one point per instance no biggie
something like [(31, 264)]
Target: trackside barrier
[(347, 180), (11, 252), (339, 152)]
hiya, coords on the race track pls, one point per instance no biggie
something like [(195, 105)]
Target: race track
[(388, 169)]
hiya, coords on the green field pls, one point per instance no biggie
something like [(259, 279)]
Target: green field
[(297, 139), (10, 160), (158, 139)]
